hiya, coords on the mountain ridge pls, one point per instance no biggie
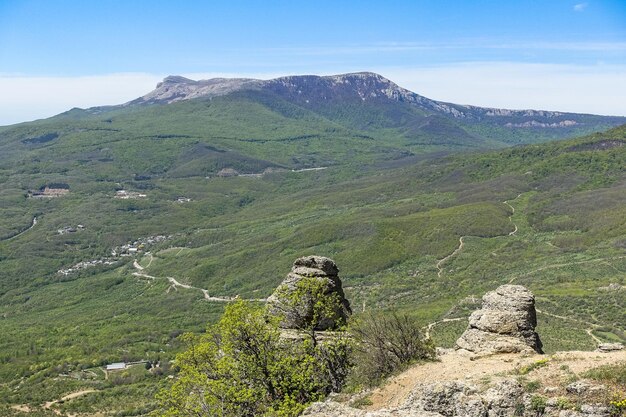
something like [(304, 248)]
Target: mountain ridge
[(368, 85)]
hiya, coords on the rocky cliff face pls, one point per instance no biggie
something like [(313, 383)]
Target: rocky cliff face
[(176, 88), (364, 86), (505, 323)]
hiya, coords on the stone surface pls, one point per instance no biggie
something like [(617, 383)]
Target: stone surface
[(444, 398), (295, 317), (505, 323), (333, 409), (583, 387), (587, 410), (503, 398), (610, 347)]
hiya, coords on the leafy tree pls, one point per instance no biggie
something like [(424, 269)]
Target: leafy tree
[(241, 367)]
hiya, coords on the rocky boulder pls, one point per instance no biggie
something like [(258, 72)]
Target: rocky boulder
[(505, 323), (610, 347), (299, 313)]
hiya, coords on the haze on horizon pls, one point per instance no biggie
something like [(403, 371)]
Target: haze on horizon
[(560, 55)]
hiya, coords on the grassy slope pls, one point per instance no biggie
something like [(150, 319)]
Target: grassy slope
[(386, 228)]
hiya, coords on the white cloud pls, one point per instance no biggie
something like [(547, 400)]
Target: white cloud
[(597, 89), (580, 7)]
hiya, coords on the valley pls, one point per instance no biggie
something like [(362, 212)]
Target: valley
[(424, 206)]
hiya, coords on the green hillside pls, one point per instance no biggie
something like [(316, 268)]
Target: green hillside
[(388, 209)]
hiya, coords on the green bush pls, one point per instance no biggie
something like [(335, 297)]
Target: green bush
[(615, 373), (242, 367), (387, 343), (538, 404)]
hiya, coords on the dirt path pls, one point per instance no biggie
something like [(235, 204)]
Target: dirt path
[(511, 218), (48, 405), (449, 367), (550, 266), (33, 224), (593, 336), (461, 243), (589, 330), (512, 213), (151, 259), (309, 169), (442, 261), (138, 267), (176, 284), (428, 328), (474, 370)]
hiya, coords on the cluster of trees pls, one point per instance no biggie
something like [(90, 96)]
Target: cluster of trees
[(242, 366)]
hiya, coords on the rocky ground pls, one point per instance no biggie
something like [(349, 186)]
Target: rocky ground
[(497, 371), (464, 384)]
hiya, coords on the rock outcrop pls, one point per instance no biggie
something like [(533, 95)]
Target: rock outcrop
[(323, 270), (365, 86), (610, 347), (505, 323), (448, 399)]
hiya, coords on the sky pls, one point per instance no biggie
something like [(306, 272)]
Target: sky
[(552, 54)]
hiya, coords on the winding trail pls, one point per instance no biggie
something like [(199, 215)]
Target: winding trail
[(550, 266), (176, 284), (461, 243), (589, 330), (443, 260), (48, 405), (33, 224), (427, 329), (512, 213)]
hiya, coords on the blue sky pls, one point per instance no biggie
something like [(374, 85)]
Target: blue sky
[(553, 54)]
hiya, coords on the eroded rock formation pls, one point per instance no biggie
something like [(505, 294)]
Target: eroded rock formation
[(505, 323), (325, 271)]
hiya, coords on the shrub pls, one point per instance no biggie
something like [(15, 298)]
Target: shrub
[(532, 386), (387, 343), (538, 404), (563, 403), (532, 366)]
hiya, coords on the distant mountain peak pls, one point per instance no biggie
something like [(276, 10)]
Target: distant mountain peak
[(310, 90), (175, 79), (175, 88)]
